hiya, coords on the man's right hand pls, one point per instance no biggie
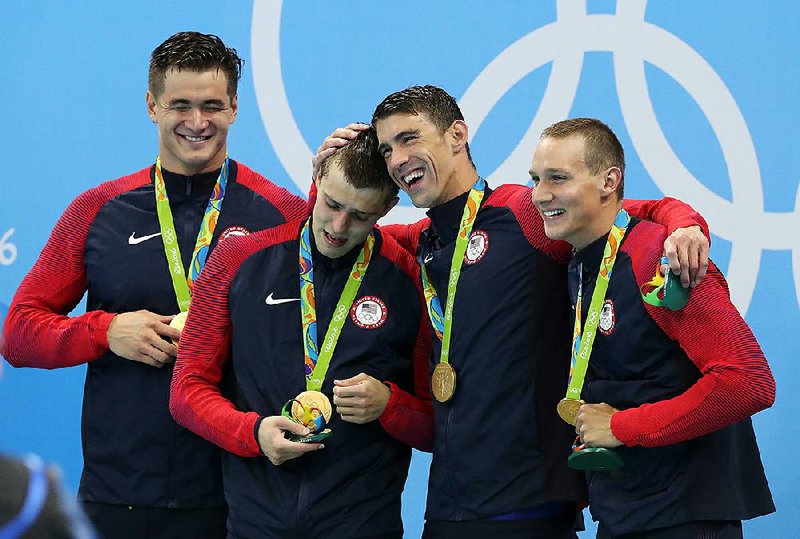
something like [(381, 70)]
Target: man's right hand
[(333, 142), (138, 336), (273, 442)]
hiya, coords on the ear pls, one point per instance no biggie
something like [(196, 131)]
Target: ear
[(234, 108), (611, 181), (389, 205), (150, 100), (459, 135)]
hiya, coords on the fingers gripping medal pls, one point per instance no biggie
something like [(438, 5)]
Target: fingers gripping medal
[(178, 322), (568, 408), (595, 458), (443, 380), (312, 408)]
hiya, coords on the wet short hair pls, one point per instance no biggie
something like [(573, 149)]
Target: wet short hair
[(193, 51), (439, 106), (363, 167), (602, 148)]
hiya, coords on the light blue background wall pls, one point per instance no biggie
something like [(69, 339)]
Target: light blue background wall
[(702, 94)]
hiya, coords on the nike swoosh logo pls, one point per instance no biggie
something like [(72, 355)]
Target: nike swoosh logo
[(133, 240), (272, 301)]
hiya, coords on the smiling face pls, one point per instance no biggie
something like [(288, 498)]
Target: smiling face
[(428, 165), (577, 206), (193, 114), (343, 214)]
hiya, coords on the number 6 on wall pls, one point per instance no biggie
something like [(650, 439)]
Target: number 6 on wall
[(8, 251)]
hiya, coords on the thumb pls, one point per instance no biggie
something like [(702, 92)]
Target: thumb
[(357, 379), (284, 423)]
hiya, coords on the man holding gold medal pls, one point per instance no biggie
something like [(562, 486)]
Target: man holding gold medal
[(137, 244), (285, 321), (661, 389), (495, 288)]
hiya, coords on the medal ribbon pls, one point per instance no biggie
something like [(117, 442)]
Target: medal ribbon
[(442, 324), (317, 360), (582, 344), (180, 281)]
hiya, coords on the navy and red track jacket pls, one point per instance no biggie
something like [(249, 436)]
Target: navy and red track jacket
[(108, 242), (241, 358), (686, 383), (499, 446)]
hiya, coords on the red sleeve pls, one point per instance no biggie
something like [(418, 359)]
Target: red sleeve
[(407, 236), (312, 198), (291, 206), (407, 417), (196, 401), (517, 198), (37, 331), (669, 212), (736, 381)]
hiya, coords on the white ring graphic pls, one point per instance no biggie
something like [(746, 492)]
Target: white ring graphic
[(632, 41)]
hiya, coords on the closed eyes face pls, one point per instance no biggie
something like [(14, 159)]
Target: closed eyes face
[(193, 114)]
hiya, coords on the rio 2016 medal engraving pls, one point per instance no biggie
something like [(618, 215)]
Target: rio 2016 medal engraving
[(443, 382), (568, 408)]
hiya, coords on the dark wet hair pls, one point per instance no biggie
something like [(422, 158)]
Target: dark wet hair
[(439, 106), (194, 51), (362, 165)]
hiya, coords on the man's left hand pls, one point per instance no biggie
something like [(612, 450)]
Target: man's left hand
[(360, 399), (593, 425), (687, 251)]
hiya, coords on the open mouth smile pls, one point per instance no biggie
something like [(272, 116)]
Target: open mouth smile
[(412, 177), (333, 240), (192, 138)]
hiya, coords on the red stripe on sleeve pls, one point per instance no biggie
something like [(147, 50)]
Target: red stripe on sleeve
[(196, 401), (407, 236), (518, 199), (291, 206), (37, 331), (736, 380), (670, 212), (407, 417)]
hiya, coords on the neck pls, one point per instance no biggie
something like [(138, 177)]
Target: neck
[(462, 182), (599, 226)]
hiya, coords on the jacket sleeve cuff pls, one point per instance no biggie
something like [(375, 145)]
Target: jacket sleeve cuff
[(256, 426), (99, 332), (394, 397), (623, 426)]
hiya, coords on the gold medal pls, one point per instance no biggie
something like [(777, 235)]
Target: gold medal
[(568, 408), (316, 402), (443, 382), (178, 322)]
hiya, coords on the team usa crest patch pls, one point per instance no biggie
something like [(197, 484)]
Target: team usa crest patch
[(608, 318), (234, 231), (477, 247), (369, 312)]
